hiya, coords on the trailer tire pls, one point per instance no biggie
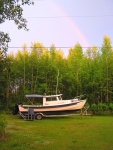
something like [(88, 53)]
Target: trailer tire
[(39, 117)]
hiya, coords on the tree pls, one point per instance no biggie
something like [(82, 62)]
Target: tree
[(107, 61), (75, 61), (93, 73), (11, 10)]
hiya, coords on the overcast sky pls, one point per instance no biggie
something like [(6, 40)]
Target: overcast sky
[(63, 23)]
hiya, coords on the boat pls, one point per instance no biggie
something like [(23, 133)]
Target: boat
[(49, 105)]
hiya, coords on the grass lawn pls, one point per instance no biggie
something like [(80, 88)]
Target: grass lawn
[(68, 133)]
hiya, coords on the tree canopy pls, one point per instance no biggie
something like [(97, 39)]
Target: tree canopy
[(11, 10), (41, 70)]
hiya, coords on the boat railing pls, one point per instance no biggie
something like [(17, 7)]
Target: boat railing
[(79, 97)]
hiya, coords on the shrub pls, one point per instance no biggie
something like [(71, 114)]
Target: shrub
[(110, 107), (102, 107), (3, 125), (94, 108)]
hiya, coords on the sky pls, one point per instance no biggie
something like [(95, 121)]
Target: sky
[(63, 23)]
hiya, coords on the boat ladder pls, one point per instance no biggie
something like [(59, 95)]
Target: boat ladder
[(22, 115)]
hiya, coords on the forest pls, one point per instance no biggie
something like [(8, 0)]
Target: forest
[(46, 70)]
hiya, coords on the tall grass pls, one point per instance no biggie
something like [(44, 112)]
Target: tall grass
[(68, 133)]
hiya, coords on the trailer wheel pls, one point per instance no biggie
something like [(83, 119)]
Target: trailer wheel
[(39, 117)]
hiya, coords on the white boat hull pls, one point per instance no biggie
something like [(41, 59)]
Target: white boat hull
[(55, 108)]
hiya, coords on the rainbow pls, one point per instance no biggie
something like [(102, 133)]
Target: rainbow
[(72, 24)]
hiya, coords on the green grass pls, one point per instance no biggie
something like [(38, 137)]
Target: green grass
[(68, 133)]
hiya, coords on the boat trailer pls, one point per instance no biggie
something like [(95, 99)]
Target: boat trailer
[(31, 115)]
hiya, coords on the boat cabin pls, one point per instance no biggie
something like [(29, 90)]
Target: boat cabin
[(49, 100)]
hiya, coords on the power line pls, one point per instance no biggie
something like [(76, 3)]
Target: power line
[(57, 47)]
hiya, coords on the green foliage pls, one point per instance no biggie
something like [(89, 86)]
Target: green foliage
[(110, 107), (11, 10), (3, 125), (102, 107), (4, 40), (94, 108), (36, 71)]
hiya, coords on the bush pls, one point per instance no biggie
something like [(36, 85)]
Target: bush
[(3, 125), (102, 107), (110, 107), (94, 108)]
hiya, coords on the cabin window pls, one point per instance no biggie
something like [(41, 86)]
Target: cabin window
[(39, 101), (60, 98), (36, 101), (51, 99)]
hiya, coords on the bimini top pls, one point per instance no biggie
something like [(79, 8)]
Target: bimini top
[(41, 96)]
